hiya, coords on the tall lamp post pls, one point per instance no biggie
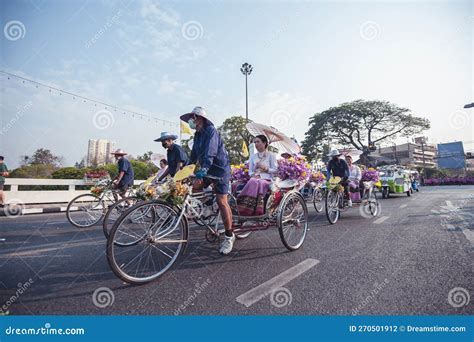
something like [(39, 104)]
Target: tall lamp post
[(246, 69)]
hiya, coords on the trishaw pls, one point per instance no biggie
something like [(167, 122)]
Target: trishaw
[(139, 251), (336, 203), (395, 180)]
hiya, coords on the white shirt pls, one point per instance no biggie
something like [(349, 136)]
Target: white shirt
[(267, 158), (354, 173)]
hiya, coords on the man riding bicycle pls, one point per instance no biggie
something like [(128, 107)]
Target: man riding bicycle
[(209, 151), (124, 180), (339, 168)]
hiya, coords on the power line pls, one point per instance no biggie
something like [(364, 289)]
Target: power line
[(86, 99)]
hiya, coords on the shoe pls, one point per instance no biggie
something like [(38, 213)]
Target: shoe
[(349, 203), (227, 244)]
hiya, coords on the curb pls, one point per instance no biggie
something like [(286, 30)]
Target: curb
[(30, 211)]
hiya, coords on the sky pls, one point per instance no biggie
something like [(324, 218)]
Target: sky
[(163, 58)]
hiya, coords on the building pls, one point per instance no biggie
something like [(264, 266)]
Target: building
[(451, 155), (418, 154), (99, 152)]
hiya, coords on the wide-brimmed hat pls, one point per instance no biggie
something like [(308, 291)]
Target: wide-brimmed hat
[(334, 153), (119, 152), (197, 111), (165, 136)]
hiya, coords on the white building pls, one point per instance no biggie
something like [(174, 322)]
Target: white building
[(99, 152)]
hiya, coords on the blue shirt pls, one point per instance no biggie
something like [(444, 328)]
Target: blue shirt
[(176, 154), (125, 166), (339, 168), (210, 152)]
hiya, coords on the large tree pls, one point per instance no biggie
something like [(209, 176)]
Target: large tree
[(42, 156), (234, 133), (358, 124)]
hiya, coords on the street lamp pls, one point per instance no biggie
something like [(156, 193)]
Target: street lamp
[(246, 69)]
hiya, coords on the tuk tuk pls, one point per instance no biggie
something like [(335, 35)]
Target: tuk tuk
[(395, 180)]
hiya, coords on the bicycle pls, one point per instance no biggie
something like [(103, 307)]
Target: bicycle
[(335, 202), (143, 251), (87, 210)]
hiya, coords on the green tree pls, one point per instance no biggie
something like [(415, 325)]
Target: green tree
[(33, 171), (69, 173), (234, 133), (45, 157), (358, 123), (146, 157)]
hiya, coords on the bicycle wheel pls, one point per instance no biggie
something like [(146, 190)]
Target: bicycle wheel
[(370, 206), (292, 220), (318, 200), (85, 210), (332, 206), (114, 211), (139, 251)]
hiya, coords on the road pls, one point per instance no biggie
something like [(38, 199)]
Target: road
[(414, 259)]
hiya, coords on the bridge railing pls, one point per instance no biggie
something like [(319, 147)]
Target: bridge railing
[(45, 196)]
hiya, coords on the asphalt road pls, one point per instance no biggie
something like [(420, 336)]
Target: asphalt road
[(416, 258)]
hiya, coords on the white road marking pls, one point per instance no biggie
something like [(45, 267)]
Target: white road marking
[(59, 222), (381, 219), (254, 295), (403, 205)]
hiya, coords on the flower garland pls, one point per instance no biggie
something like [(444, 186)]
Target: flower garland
[(370, 175), (295, 168), (318, 177), (240, 173)]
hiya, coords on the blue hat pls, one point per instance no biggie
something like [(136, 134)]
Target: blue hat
[(166, 136)]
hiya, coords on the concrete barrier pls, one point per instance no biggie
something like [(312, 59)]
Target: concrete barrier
[(45, 196)]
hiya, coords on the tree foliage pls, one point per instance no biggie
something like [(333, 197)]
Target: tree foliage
[(233, 133), (358, 123)]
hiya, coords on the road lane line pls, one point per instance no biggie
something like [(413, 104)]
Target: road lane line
[(403, 206), (381, 219), (254, 295)]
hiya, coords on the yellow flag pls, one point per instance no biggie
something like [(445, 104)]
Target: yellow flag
[(185, 128), (245, 150)]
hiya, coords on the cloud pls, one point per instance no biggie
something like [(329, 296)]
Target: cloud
[(167, 86)]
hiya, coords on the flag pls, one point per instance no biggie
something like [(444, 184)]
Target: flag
[(245, 150), (185, 128)]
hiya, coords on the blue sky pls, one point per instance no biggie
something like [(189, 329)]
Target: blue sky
[(163, 58)]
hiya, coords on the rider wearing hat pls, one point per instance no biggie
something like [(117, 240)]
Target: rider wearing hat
[(209, 151), (176, 155), (339, 168), (125, 177)]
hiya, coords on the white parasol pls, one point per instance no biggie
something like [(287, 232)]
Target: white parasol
[(275, 138)]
